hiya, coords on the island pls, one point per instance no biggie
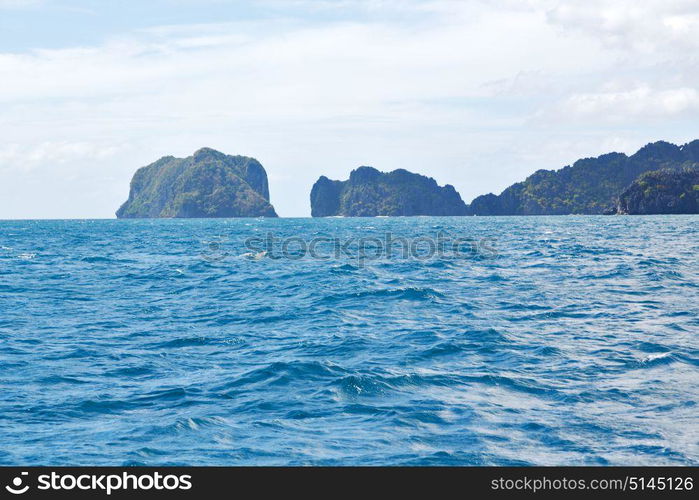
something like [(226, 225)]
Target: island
[(589, 186), (206, 184), (662, 192), (370, 193)]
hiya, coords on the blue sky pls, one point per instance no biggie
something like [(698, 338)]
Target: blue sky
[(478, 94), (26, 25)]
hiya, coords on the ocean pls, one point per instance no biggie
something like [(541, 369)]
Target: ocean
[(384, 341)]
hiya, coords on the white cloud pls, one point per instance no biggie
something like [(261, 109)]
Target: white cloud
[(648, 26), (642, 102), (54, 153), (477, 94)]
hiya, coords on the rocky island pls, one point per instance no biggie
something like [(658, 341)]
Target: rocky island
[(206, 184), (662, 192), (369, 193), (589, 186)]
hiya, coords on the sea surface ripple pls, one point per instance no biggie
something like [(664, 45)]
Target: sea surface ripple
[(140, 342)]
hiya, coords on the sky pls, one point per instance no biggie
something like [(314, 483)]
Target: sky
[(478, 94)]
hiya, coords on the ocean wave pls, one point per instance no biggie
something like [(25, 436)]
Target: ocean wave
[(123, 337), (409, 293)]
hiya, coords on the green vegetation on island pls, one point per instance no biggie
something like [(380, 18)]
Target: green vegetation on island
[(662, 192), (206, 184), (589, 186), (369, 192), (660, 178)]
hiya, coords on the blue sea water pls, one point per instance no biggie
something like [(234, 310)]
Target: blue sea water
[(163, 342)]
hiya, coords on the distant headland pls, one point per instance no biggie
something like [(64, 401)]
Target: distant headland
[(590, 186), (662, 192)]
